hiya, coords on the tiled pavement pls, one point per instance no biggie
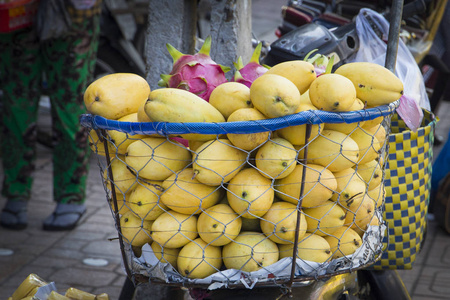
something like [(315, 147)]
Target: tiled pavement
[(58, 256)]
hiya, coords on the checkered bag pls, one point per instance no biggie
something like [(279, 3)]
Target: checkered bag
[(407, 186)]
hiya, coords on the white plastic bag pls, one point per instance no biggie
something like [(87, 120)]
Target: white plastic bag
[(373, 49)]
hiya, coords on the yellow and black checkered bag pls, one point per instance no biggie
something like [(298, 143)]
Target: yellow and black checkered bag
[(408, 184)]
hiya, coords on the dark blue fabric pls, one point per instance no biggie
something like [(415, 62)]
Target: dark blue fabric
[(305, 117)]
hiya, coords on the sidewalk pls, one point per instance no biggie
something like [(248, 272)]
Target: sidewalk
[(58, 256)]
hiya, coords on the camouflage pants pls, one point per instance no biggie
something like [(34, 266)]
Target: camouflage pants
[(68, 64)]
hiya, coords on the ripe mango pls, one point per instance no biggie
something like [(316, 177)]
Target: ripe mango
[(198, 259), (250, 194), (325, 218), (334, 150), (374, 84), (280, 221), (156, 158), (318, 187), (250, 251), (173, 229), (229, 97), (217, 161), (183, 193), (274, 96), (177, 105), (251, 140), (332, 92), (116, 95), (343, 242), (219, 225), (276, 159), (348, 127), (301, 73), (311, 247)]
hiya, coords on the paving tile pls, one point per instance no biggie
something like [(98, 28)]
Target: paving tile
[(69, 243), (439, 254), (434, 282), (12, 264), (102, 247), (79, 277), (7, 291), (54, 262)]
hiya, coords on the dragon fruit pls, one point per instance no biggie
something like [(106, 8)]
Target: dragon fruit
[(248, 73), (322, 63), (197, 73)]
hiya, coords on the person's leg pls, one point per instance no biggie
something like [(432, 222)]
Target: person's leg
[(70, 63), (20, 80)]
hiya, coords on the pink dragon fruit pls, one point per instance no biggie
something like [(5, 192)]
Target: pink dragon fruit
[(322, 63), (196, 73), (248, 73)]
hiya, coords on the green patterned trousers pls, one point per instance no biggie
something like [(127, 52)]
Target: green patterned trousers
[(68, 64)]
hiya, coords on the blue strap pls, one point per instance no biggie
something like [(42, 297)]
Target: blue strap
[(242, 127)]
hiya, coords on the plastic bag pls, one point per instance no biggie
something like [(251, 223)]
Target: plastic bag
[(373, 49)]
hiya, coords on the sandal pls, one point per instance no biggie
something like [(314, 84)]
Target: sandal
[(65, 217), (14, 215)]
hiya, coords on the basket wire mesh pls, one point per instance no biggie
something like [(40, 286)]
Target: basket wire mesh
[(174, 188)]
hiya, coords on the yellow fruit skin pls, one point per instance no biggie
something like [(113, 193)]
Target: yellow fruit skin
[(174, 230), (250, 194), (279, 223), (116, 95), (377, 194), (217, 161), (219, 225), (311, 247), (124, 180), (249, 252), (368, 145), (197, 259), (348, 127), (247, 141), (300, 72), (324, 219), (122, 140), (176, 105), (361, 213), (349, 185), (276, 159), (274, 96), (296, 134), (343, 242), (156, 158), (374, 84), (143, 200), (371, 173), (318, 188), (165, 255), (333, 150), (135, 231), (185, 194), (332, 92), (229, 97)]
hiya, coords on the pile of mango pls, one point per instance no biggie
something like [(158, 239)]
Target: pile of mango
[(206, 203)]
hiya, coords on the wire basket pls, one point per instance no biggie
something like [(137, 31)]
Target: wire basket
[(233, 206)]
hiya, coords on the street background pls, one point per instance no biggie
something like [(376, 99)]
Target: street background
[(59, 256)]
